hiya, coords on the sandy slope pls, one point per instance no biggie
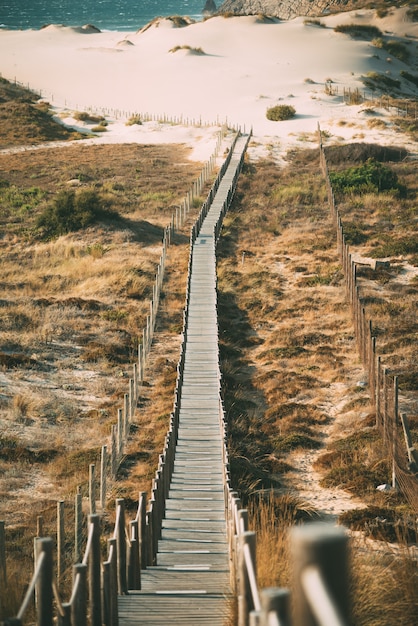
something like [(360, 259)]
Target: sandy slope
[(247, 65)]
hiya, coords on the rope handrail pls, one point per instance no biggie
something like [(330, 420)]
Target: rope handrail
[(89, 543), (320, 598), (57, 598), (31, 589), (251, 577)]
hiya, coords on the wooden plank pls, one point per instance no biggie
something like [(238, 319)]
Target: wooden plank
[(190, 583)]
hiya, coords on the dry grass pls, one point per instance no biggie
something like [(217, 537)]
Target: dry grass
[(289, 361), (72, 312)]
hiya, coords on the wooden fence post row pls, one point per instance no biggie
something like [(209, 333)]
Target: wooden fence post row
[(381, 380), (95, 583)]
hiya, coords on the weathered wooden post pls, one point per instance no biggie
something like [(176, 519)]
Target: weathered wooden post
[(126, 414), (245, 601), (320, 575), (39, 526), (60, 540), (94, 564), (378, 385), (395, 430), (114, 452), (121, 546), (44, 593), (103, 478), (3, 568), (64, 618), (79, 599), (120, 435), (134, 570), (78, 526), (142, 518), (92, 488), (275, 601)]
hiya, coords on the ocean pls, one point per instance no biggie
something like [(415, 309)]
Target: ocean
[(119, 15)]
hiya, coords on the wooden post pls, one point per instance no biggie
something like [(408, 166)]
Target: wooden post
[(244, 591), (120, 435), (378, 384), (126, 414), (92, 488), (320, 551), (94, 563), (103, 476), (39, 526), (277, 602), (60, 540), (132, 399), (3, 568), (142, 509), (110, 586), (65, 618), (140, 364), (121, 546), (114, 452), (79, 603), (78, 529), (135, 386), (44, 591), (134, 571), (394, 430)]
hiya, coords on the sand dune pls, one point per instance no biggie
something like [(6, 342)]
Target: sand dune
[(247, 65)]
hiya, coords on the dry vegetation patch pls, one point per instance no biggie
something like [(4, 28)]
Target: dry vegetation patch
[(72, 310), (294, 387)]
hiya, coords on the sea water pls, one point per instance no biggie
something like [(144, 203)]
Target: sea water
[(120, 15)]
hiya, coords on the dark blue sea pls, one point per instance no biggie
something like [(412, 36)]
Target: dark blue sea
[(123, 15)]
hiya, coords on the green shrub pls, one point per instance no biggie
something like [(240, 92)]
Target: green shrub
[(71, 211), (280, 112), (370, 177), (359, 30)]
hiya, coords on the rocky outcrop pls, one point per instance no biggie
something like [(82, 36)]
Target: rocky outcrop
[(209, 8), (282, 9)]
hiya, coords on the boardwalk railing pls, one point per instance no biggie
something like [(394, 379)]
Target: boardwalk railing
[(383, 383)]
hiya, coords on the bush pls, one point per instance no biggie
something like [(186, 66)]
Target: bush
[(370, 177), (359, 30), (134, 119), (83, 116), (70, 211), (193, 50), (280, 112)]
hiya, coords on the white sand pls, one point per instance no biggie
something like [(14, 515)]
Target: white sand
[(247, 66)]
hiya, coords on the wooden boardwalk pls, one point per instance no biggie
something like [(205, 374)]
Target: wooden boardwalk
[(191, 582)]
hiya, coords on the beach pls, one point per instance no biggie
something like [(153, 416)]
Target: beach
[(218, 70)]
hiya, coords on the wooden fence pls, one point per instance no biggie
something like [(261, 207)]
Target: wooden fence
[(122, 114), (383, 384)]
